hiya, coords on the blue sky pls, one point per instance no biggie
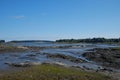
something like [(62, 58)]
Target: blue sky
[(56, 19)]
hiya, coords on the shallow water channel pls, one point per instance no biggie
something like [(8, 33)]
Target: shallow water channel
[(74, 50)]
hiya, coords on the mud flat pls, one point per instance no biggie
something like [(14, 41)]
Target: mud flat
[(6, 48)]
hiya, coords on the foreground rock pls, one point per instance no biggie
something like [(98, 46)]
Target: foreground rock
[(109, 57)]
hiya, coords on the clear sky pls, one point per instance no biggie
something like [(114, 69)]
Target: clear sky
[(55, 19)]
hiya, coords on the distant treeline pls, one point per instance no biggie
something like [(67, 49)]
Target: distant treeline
[(30, 41), (2, 41), (91, 40)]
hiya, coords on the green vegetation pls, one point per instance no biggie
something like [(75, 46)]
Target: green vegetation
[(52, 72), (89, 40)]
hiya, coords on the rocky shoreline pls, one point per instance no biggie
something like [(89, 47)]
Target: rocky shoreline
[(108, 57)]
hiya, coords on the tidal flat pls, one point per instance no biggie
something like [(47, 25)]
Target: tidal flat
[(53, 61)]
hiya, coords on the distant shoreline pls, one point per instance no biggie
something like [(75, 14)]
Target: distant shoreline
[(90, 40), (16, 41)]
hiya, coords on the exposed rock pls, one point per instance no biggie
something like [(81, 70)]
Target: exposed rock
[(31, 55), (18, 64), (67, 57), (22, 47), (28, 64), (23, 64), (108, 57), (55, 63)]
